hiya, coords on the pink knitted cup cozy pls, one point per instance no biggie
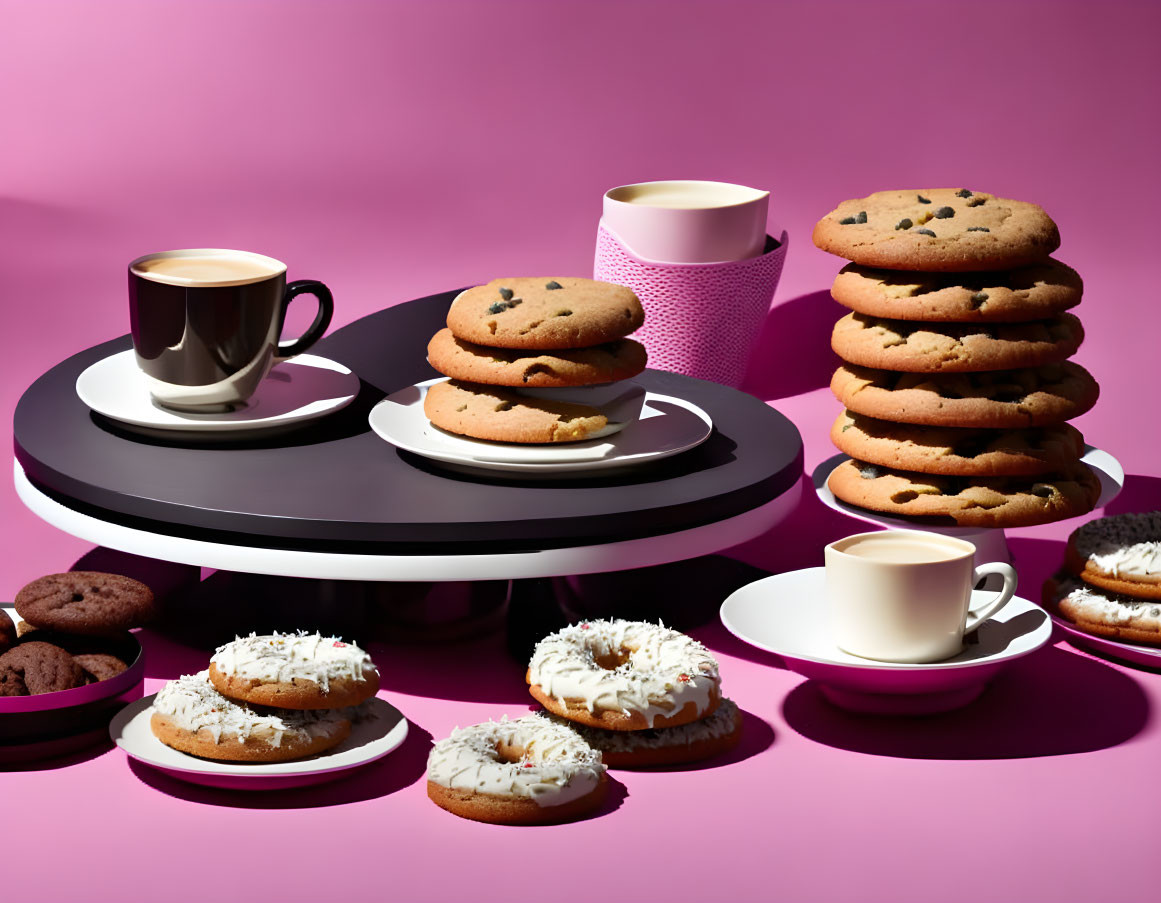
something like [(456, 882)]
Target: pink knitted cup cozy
[(701, 319)]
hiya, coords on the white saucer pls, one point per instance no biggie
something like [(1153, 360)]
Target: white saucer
[(304, 388), (369, 740), (1133, 653), (666, 427), (990, 542), (786, 614)]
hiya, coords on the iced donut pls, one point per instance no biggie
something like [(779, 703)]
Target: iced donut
[(531, 771), (624, 675), (693, 742), (193, 717), (294, 671)]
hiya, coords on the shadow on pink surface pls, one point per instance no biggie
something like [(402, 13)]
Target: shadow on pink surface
[(803, 324), (1053, 703)]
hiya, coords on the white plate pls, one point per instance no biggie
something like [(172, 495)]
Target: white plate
[(667, 426), (786, 614), (1134, 653), (369, 740), (304, 388)]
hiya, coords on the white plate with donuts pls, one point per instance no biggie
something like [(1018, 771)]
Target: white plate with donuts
[(371, 738)]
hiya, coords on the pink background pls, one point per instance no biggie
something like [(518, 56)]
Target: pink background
[(399, 149)]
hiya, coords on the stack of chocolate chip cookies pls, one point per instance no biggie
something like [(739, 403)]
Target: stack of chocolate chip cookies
[(956, 378), (514, 335), (1111, 581)]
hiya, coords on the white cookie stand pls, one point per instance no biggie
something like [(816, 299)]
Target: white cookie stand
[(990, 542)]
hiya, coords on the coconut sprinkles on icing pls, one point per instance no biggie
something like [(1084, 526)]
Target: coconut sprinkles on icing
[(1123, 545), (284, 657), (627, 666)]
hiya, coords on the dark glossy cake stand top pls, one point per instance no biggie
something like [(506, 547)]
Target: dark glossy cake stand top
[(333, 485)]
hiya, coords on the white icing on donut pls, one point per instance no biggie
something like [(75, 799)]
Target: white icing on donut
[(1124, 545), (556, 765), (664, 671), (1105, 607), (192, 704), (282, 657), (723, 722)]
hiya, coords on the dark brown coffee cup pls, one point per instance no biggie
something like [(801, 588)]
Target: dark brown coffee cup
[(206, 323)]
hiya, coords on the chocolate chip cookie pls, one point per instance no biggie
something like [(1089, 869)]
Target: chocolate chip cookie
[(86, 602), (1011, 296), (544, 313), (938, 230), (1006, 399), (966, 501), (501, 415), (612, 361), (955, 451), (38, 668), (954, 347)]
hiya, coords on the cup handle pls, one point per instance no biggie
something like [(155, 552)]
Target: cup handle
[(977, 616), (326, 309)]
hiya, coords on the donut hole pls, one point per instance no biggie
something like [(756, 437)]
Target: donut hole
[(509, 753), (613, 659)]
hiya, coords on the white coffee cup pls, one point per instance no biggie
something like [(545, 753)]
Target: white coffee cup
[(688, 221), (904, 595)]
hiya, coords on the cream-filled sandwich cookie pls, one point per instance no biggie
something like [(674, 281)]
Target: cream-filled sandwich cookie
[(624, 675), (190, 715), (1104, 612), (525, 772), (294, 671), (1121, 553)]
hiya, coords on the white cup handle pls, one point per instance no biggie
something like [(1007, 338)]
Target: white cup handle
[(977, 616)]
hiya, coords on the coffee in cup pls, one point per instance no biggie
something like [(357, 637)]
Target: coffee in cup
[(206, 323), (904, 595)]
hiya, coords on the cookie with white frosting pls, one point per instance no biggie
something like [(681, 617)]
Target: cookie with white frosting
[(1104, 612), (692, 742), (191, 716), (294, 671), (530, 771), (1121, 553), (624, 675)]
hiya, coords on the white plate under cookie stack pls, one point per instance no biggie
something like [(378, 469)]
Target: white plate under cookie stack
[(957, 385)]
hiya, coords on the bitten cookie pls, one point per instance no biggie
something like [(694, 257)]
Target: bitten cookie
[(531, 771), (1121, 553), (958, 452), (501, 415), (1012, 296), (545, 313), (1104, 612), (294, 671), (610, 362), (938, 230), (624, 675), (33, 668), (968, 502), (954, 347), (692, 742), (190, 715), (86, 602), (1006, 399)]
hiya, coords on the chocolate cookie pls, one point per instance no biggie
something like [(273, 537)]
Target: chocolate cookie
[(1006, 399), (917, 347), (99, 666), (938, 230), (1121, 553), (544, 314), (40, 668), (1013, 296), (85, 602), (501, 415), (966, 501), (610, 362), (8, 633), (1104, 612), (955, 451)]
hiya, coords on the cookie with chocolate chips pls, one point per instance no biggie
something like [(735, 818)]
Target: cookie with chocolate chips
[(938, 230), (1003, 399), (501, 415), (542, 314), (85, 602), (955, 451), (966, 501), (609, 362), (1009, 296), (917, 347)]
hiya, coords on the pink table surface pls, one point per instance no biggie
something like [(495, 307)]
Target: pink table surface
[(397, 149)]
